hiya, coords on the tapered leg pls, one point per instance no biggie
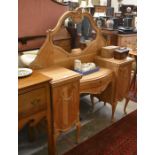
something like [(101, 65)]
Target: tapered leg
[(52, 136), (92, 100), (78, 126), (32, 133), (113, 111), (126, 103)]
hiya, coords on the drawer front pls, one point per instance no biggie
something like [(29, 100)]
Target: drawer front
[(66, 105), (96, 86), (31, 102)]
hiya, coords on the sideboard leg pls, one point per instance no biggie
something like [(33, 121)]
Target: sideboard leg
[(113, 111), (126, 103), (78, 127), (92, 100)]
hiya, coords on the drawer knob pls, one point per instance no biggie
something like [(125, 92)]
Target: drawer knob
[(35, 102)]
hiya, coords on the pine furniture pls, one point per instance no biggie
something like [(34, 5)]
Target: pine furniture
[(109, 84)]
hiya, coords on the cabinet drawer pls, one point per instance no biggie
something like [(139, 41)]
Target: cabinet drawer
[(32, 102), (95, 86), (92, 84)]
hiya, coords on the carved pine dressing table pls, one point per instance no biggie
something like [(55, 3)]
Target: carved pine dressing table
[(66, 85), (34, 103), (57, 63)]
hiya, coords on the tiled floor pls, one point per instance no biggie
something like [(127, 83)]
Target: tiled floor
[(92, 122)]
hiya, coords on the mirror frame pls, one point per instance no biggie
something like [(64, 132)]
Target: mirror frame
[(51, 54)]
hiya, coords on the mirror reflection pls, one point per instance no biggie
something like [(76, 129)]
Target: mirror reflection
[(74, 35)]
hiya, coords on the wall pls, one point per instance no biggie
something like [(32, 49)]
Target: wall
[(35, 17), (114, 3)]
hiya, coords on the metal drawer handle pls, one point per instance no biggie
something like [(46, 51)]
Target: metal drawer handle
[(35, 102)]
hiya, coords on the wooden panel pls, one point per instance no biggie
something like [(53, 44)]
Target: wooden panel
[(66, 105), (123, 81)]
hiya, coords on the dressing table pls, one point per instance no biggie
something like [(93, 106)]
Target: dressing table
[(66, 86)]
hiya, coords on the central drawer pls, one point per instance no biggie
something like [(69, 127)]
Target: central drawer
[(32, 102), (95, 86)]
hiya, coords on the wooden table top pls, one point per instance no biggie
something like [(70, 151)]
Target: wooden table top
[(116, 61), (34, 79), (59, 74)]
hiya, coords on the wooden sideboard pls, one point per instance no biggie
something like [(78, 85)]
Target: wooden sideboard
[(34, 103), (122, 70)]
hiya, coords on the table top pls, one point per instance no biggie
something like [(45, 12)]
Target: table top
[(116, 61), (33, 79), (59, 74)]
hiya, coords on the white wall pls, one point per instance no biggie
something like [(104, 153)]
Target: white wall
[(114, 3)]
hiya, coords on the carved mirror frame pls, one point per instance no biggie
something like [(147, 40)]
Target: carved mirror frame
[(51, 54)]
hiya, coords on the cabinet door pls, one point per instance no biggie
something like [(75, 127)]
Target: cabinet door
[(123, 81), (66, 105)]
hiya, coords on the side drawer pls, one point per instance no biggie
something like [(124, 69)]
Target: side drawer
[(31, 102)]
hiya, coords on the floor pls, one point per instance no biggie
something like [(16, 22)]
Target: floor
[(92, 122)]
